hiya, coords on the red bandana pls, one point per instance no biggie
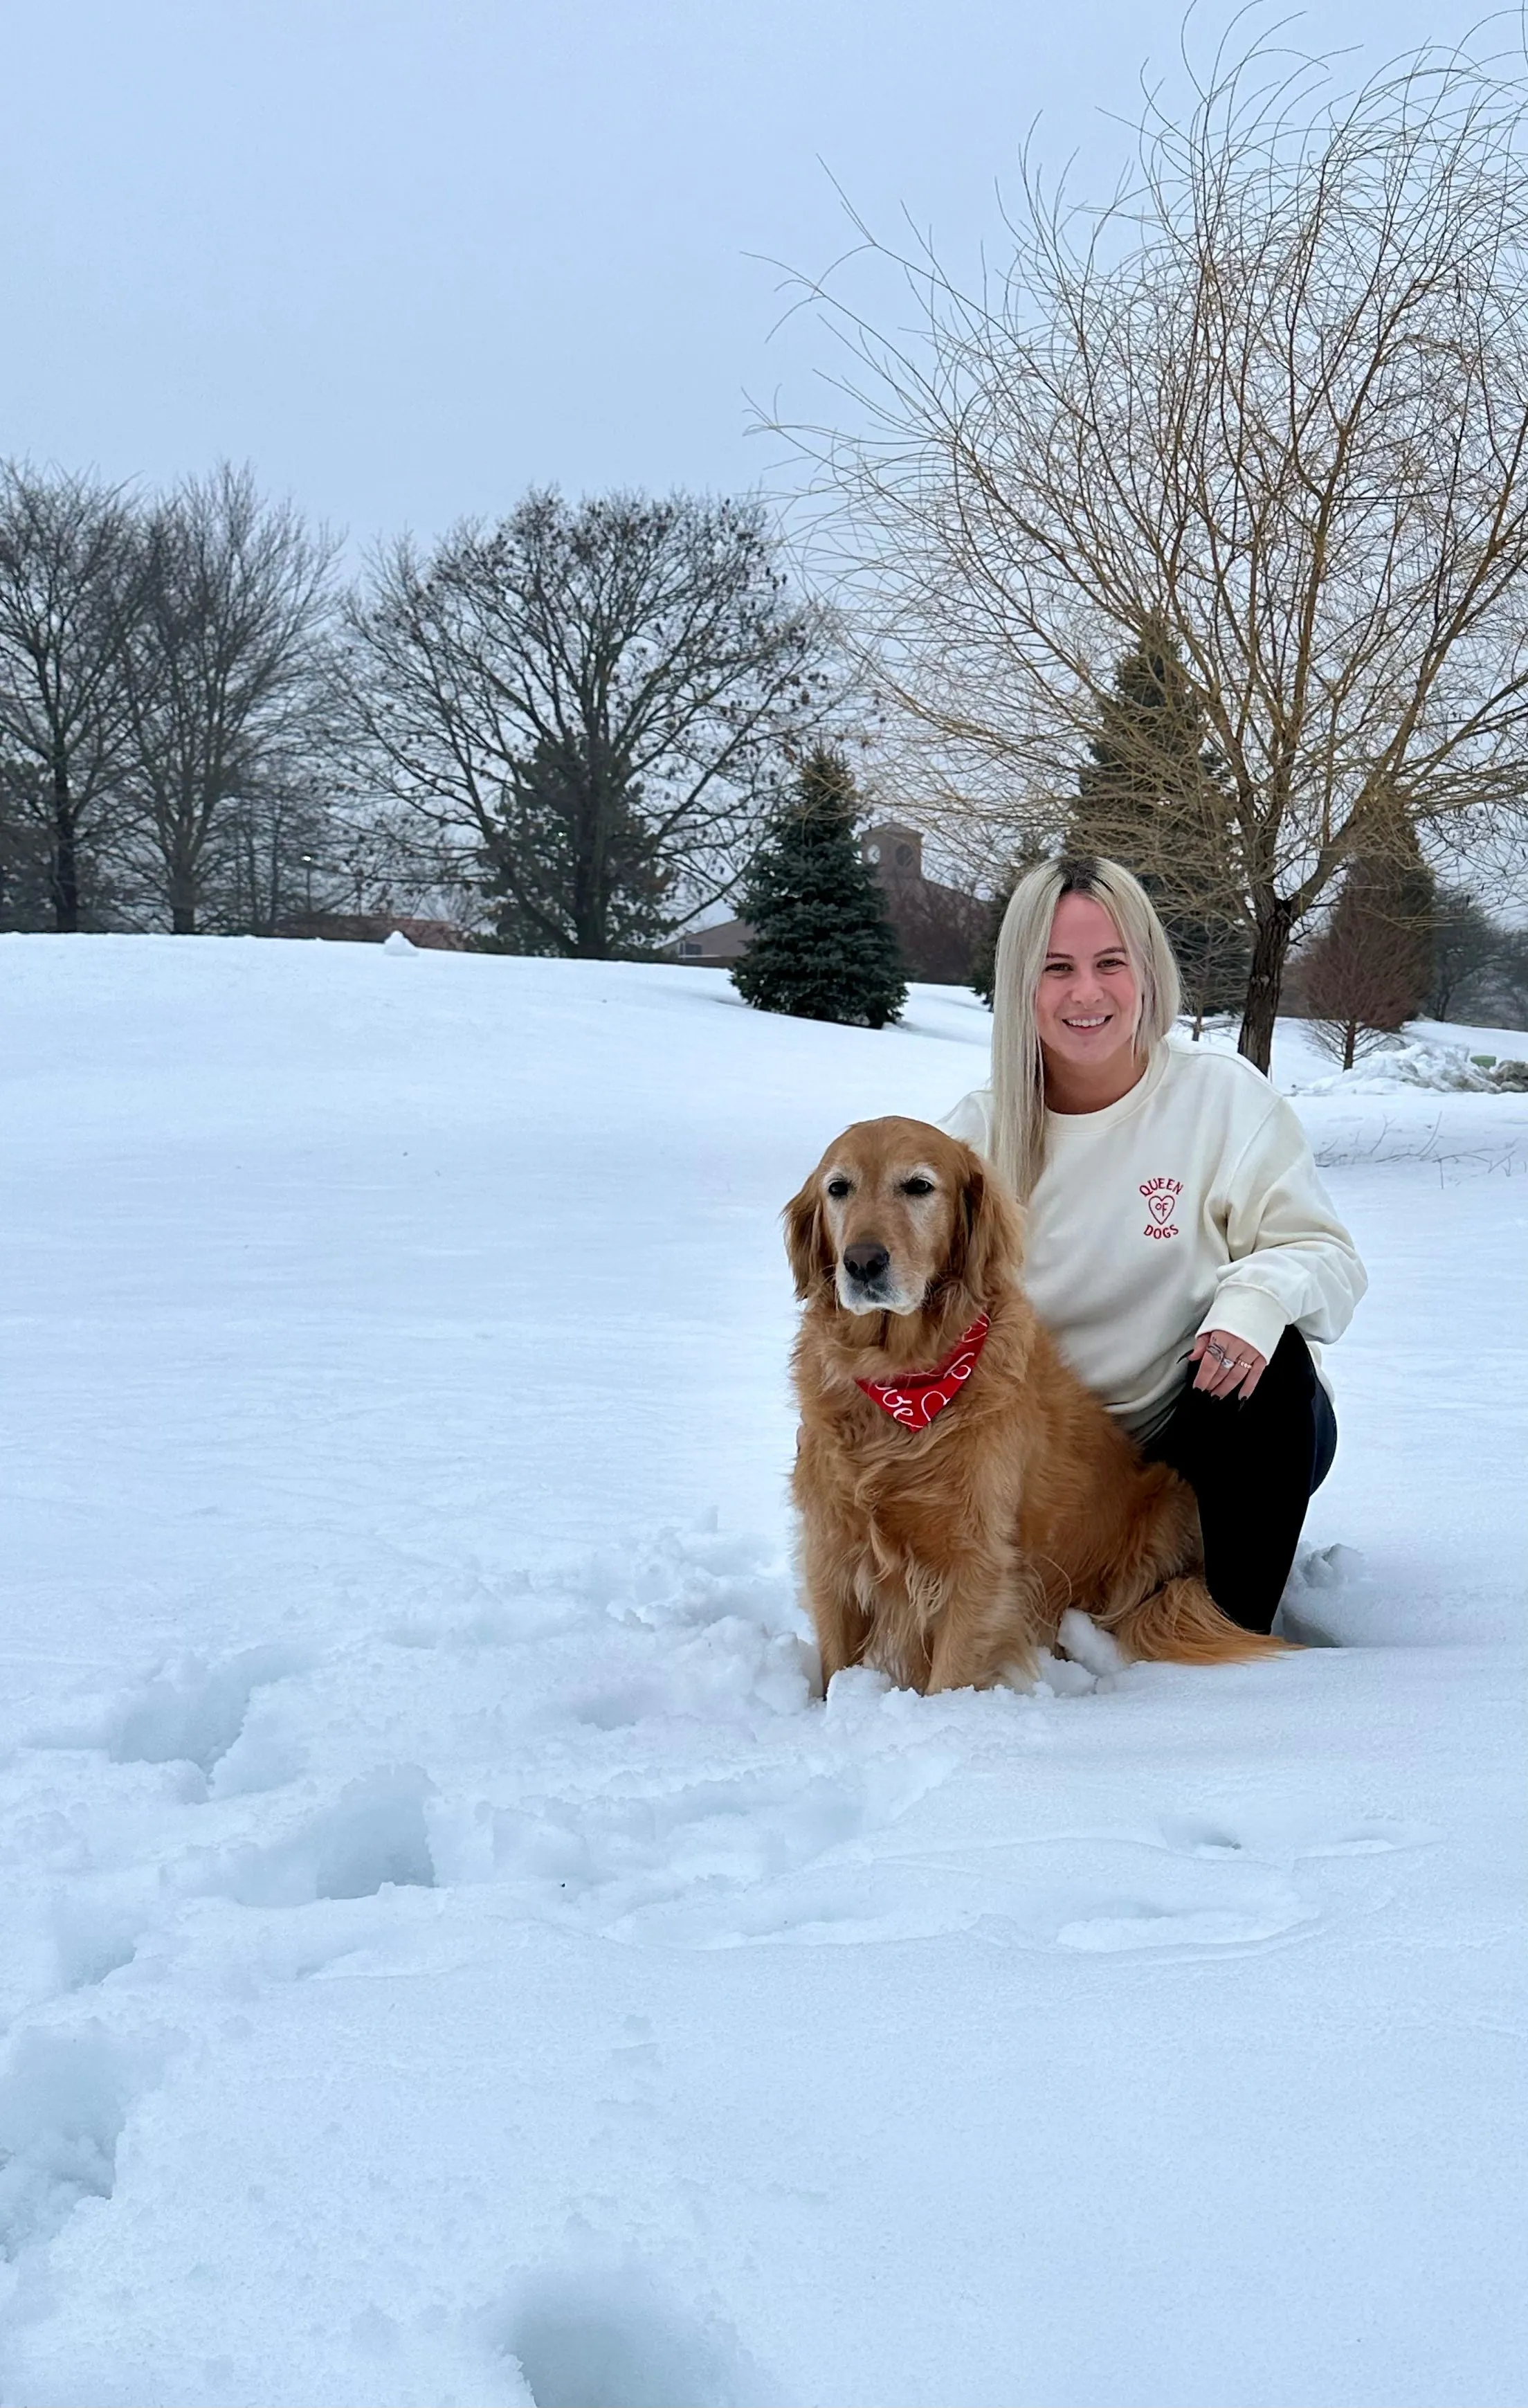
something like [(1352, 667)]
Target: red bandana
[(915, 1399)]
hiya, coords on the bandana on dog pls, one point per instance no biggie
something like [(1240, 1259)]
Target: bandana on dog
[(917, 1396)]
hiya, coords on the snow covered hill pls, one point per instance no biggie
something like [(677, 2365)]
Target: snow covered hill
[(449, 1957)]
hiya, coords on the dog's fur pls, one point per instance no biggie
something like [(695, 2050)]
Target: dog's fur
[(947, 1556)]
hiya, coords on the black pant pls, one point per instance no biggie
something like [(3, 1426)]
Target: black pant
[(1254, 1463)]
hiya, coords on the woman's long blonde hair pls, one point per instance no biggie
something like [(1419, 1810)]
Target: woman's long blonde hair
[(1018, 1069)]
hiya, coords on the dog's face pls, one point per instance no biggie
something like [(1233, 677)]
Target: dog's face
[(895, 1211)]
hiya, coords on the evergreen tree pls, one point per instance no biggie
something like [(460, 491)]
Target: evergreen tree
[(574, 866), (824, 947), (984, 953), (983, 973), (1152, 795)]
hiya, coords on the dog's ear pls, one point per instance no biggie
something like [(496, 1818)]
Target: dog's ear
[(989, 1240), (806, 1239)]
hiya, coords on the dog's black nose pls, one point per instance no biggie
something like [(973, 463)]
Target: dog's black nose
[(866, 1262)]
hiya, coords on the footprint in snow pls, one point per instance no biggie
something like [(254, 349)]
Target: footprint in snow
[(64, 2101), (713, 1863), (374, 1836), (197, 1715), (611, 2338)]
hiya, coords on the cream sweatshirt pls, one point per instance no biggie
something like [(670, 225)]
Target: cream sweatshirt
[(1191, 1204)]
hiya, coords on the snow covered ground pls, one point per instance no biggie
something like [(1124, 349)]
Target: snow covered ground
[(449, 1957)]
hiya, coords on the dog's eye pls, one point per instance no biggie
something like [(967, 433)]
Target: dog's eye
[(917, 1187), (839, 1188)]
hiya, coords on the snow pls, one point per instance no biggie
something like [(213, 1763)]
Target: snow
[(451, 1958), (1442, 1069), (1507, 1044)]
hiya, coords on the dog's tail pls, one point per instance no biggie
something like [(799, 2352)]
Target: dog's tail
[(1181, 1624)]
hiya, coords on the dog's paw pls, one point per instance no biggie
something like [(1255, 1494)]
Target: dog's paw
[(855, 1692), (1088, 1644)]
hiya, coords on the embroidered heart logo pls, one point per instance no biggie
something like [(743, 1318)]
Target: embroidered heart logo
[(1161, 1208)]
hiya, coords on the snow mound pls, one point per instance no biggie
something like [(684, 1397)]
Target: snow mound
[(1442, 1069)]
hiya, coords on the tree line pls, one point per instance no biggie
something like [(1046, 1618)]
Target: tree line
[(573, 732), (561, 731)]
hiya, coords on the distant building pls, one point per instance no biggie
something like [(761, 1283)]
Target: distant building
[(938, 927), (716, 948)]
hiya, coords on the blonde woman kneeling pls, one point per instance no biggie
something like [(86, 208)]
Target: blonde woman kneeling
[(1181, 1247)]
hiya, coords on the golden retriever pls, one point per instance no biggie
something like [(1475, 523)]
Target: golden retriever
[(945, 1554)]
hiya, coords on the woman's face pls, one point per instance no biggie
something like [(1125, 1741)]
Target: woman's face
[(1087, 1002)]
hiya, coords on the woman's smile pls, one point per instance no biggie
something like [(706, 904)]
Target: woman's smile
[(1086, 1008)]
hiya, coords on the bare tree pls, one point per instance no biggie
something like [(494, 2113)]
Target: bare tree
[(380, 859), (26, 896), (267, 849), (590, 703), (1272, 401), (1367, 972), (1465, 941), (221, 669), (69, 594), (1479, 966)]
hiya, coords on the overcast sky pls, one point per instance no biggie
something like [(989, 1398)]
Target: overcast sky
[(407, 257)]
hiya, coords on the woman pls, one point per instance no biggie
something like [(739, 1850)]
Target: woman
[(1181, 1247)]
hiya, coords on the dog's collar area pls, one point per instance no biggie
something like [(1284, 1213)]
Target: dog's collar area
[(915, 1399)]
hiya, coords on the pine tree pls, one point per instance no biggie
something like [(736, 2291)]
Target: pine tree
[(574, 867), (984, 953), (824, 947), (983, 971), (1152, 795)]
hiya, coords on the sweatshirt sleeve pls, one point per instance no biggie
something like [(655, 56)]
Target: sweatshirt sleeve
[(1291, 1263), (972, 1120)]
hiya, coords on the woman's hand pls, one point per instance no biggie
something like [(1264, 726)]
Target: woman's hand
[(1228, 1367)]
